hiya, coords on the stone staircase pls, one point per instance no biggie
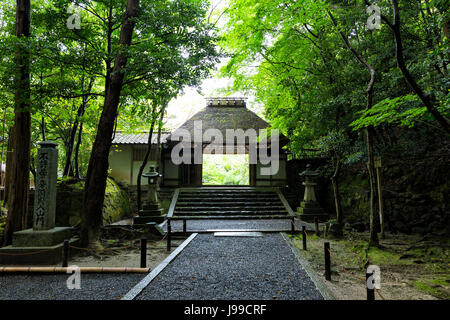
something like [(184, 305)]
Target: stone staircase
[(229, 202)]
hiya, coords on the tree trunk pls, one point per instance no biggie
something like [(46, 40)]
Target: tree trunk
[(20, 174), (373, 187), (94, 190), (2, 172), (43, 129), (77, 151), (108, 59), (144, 162), (337, 196), (380, 202), (160, 124), (69, 168), (369, 138), (9, 164)]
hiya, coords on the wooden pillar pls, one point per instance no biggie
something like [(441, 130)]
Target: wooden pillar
[(252, 174)]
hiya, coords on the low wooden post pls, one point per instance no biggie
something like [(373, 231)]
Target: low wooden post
[(304, 237), (327, 229), (370, 291), (143, 253), (65, 261), (326, 247), (169, 231), (184, 226), (316, 226)]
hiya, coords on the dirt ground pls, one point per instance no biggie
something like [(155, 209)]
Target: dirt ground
[(412, 267), (124, 254)]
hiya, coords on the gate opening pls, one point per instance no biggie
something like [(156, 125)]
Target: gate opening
[(225, 169)]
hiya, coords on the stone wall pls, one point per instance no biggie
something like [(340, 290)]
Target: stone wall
[(415, 195), (415, 192), (69, 201)]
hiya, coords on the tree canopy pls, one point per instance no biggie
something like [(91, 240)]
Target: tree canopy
[(291, 57)]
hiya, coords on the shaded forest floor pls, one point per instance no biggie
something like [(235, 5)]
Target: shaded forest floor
[(123, 254), (412, 267)]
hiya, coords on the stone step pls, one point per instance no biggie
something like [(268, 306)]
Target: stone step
[(227, 196), (142, 220), (244, 208), (228, 217), (310, 217), (226, 191), (310, 210), (224, 213), (229, 203)]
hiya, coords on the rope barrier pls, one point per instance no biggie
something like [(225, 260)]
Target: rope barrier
[(120, 248), (65, 269), (351, 275), (162, 239), (340, 265), (79, 248), (24, 254), (379, 293)]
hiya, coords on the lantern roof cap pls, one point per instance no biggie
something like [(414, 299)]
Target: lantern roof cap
[(309, 172)]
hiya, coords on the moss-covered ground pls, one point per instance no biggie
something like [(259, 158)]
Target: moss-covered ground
[(412, 266)]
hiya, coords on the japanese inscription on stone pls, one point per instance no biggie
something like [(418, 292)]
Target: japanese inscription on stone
[(45, 192)]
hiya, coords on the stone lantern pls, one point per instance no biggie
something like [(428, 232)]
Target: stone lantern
[(152, 194), (310, 193), (151, 211), (309, 207)]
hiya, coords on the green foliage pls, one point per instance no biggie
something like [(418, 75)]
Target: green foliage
[(173, 46), (399, 111), (291, 57), (335, 143), (225, 169)]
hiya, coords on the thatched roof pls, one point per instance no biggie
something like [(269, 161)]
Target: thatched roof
[(141, 138), (222, 115)]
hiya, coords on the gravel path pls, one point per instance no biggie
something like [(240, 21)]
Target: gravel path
[(264, 224), (233, 268), (53, 286)]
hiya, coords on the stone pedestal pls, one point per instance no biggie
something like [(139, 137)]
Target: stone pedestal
[(151, 212), (309, 208), (41, 238), (44, 239)]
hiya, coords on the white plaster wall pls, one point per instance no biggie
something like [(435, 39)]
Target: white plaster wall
[(120, 163)]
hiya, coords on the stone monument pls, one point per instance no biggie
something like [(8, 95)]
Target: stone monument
[(151, 211), (309, 207), (44, 237)]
